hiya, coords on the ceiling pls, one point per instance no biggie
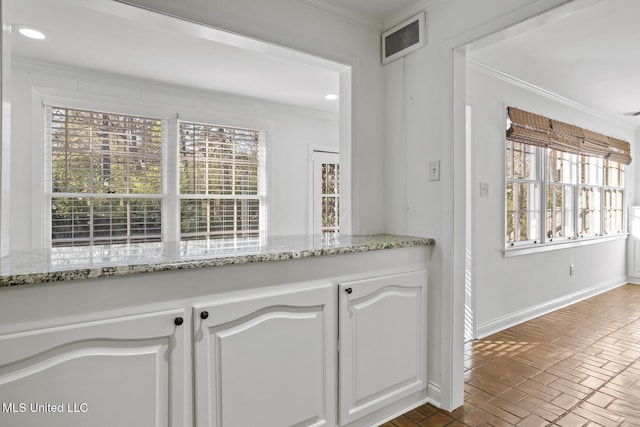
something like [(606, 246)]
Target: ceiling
[(375, 14), (117, 39), (587, 53)]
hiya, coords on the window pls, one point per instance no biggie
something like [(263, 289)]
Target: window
[(613, 200), (326, 192), (561, 171), (575, 175), (523, 197), (106, 177), (221, 181), (590, 202), (109, 184)]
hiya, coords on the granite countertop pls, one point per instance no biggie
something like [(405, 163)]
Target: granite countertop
[(74, 263)]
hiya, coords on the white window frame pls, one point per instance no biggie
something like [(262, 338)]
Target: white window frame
[(536, 204), (573, 201), (262, 175), (619, 187), (318, 157), (159, 196), (545, 243), (170, 179)]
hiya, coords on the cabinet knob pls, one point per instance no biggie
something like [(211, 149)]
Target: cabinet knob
[(348, 291), (178, 321), (204, 315)]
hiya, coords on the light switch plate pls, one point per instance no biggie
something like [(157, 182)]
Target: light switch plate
[(484, 189), (434, 170)]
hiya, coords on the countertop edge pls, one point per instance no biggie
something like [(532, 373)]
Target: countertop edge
[(80, 273)]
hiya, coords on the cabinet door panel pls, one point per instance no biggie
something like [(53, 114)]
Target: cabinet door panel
[(113, 372), (383, 342), (267, 361)]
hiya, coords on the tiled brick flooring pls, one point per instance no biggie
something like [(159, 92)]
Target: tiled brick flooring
[(578, 366)]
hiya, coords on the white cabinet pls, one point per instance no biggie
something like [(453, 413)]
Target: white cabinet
[(383, 336), (267, 360), (257, 346), (114, 372)]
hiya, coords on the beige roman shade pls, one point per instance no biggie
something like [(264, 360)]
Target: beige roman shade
[(620, 151), (528, 128), (566, 137), (541, 131), (595, 144)]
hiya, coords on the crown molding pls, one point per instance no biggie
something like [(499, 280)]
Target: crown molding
[(366, 22), (407, 12), (501, 75)]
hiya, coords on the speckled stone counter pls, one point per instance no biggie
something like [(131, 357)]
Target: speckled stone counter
[(74, 263)]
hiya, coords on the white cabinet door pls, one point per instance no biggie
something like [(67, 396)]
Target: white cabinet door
[(267, 361), (116, 372), (383, 335)]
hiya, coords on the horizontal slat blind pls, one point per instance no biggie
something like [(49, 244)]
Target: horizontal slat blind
[(219, 160), (219, 218), (84, 221), (106, 176), (96, 152), (221, 180)]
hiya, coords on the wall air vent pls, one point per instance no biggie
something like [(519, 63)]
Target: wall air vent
[(404, 38)]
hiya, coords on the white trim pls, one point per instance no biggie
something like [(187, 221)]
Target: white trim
[(401, 15), (516, 318), (508, 78), (434, 394), (362, 20), (566, 244), (453, 248)]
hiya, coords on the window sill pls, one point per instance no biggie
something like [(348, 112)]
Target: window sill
[(546, 247)]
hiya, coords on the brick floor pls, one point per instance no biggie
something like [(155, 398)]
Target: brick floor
[(578, 366)]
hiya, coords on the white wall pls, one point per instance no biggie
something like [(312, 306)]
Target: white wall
[(296, 25), (404, 115), (424, 103), (290, 133), (511, 290)]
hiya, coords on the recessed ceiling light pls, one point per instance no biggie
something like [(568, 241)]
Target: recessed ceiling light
[(32, 33), (331, 97)]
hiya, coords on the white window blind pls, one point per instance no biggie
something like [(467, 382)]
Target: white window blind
[(222, 174), (106, 176)]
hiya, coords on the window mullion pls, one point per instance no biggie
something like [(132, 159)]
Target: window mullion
[(576, 198), (542, 179), (171, 189)]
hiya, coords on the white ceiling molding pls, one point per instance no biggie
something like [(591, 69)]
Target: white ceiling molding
[(610, 117), (401, 15), (362, 20)]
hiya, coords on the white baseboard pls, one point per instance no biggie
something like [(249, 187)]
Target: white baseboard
[(634, 280), (513, 319), (434, 395)]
